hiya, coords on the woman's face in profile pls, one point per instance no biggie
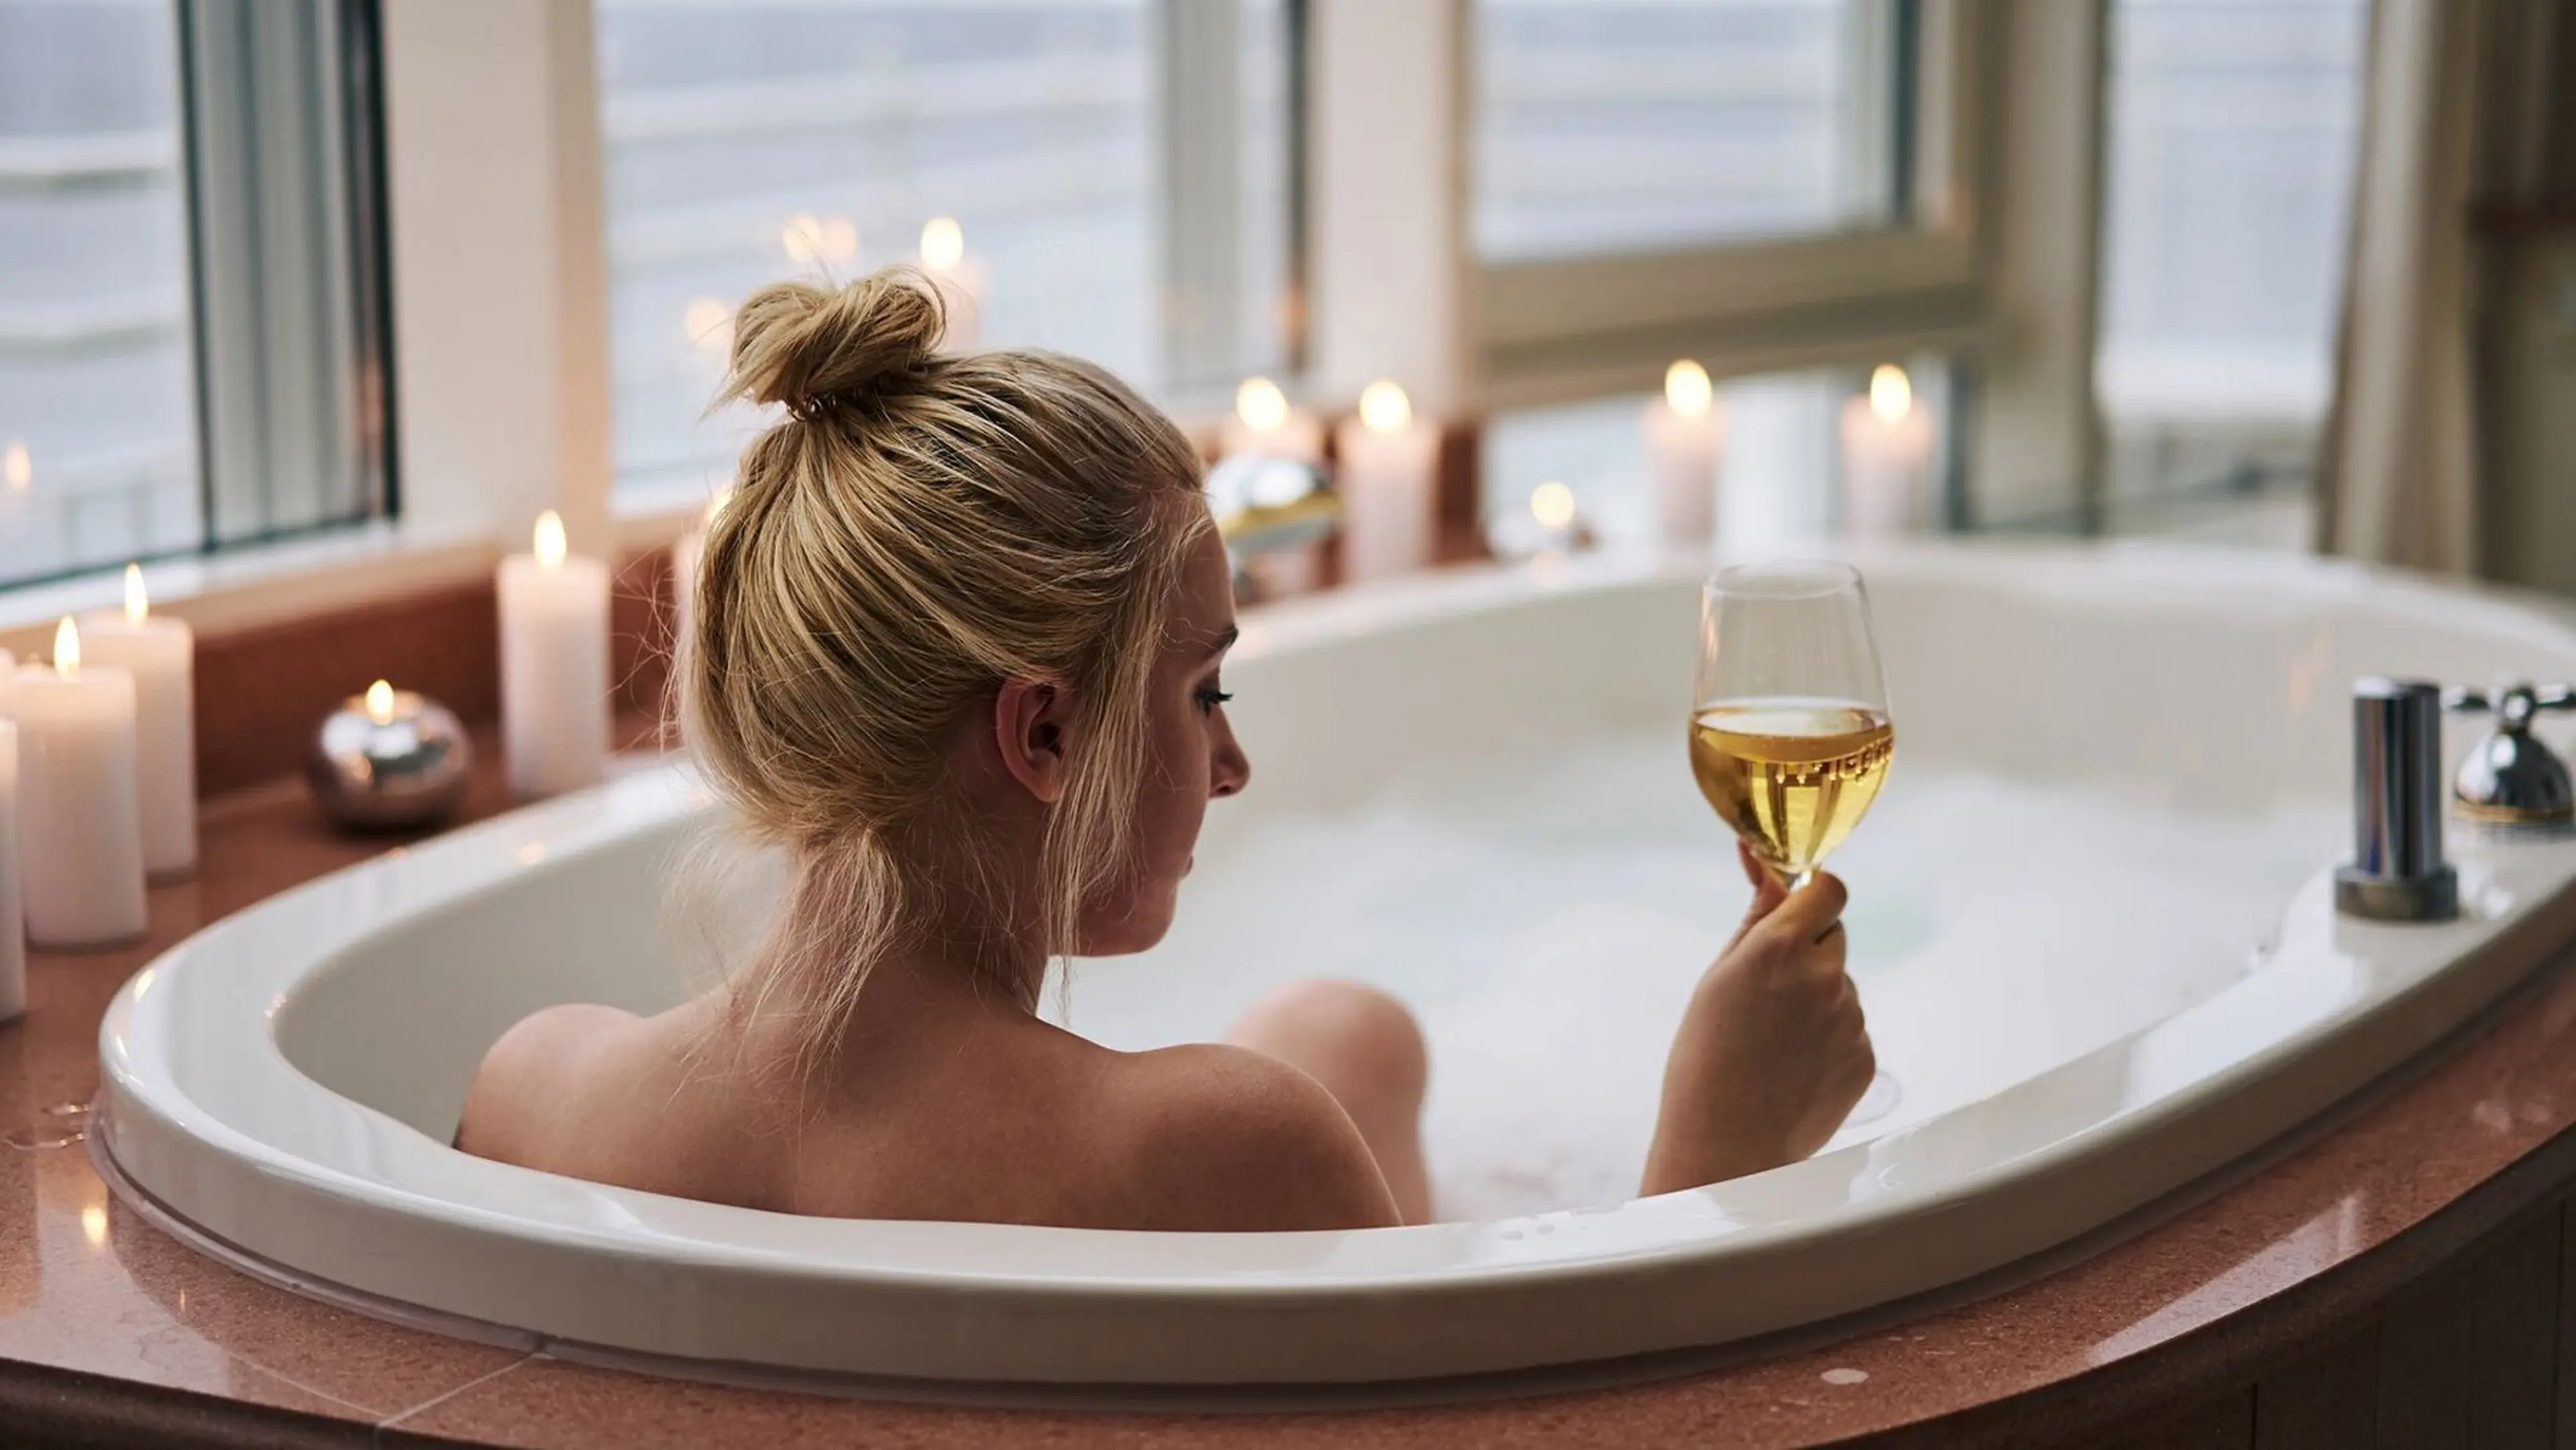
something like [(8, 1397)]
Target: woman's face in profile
[(1190, 757)]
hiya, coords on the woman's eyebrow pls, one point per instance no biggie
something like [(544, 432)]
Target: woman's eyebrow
[(1225, 639)]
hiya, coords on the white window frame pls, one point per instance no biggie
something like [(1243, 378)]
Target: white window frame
[(500, 332), (1996, 269), (1555, 331)]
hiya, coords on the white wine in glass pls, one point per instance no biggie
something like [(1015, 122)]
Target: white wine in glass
[(1790, 737)]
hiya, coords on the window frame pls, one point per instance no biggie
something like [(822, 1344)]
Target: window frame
[(1551, 331)]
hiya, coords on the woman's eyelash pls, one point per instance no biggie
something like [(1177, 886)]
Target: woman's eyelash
[(1209, 699)]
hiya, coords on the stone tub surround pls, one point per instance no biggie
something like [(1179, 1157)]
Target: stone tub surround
[(111, 1332)]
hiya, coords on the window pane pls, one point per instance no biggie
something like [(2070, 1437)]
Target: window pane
[(1609, 126), (1120, 171), (97, 455), (2233, 130)]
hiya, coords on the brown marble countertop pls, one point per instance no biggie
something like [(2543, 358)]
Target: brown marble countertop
[(111, 1332)]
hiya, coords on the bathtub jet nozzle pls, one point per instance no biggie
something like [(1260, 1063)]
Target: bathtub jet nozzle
[(2397, 872)]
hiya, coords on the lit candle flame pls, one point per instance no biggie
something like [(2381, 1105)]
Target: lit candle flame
[(550, 540), (17, 467), (137, 604), (67, 648), (707, 322), (1384, 408), (1891, 394), (716, 505), (1552, 504), (380, 703), (94, 1224), (1687, 390), (943, 244), (1261, 405)]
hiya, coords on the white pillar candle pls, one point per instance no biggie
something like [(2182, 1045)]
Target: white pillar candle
[(1265, 426), (1383, 463), (1887, 456), (554, 666), (80, 837), (1685, 438), (160, 653), (8, 680), (959, 276), (13, 921)]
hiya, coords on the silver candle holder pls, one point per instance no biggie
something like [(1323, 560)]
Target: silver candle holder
[(389, 760)]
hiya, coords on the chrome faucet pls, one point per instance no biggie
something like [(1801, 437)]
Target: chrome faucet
[(2512, 778), (2397, 872)]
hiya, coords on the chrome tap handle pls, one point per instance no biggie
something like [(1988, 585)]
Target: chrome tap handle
[(2514, 704)]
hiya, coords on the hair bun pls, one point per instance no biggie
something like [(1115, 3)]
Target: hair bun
[(804, 346)]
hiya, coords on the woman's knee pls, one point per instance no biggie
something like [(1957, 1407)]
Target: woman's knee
[(1337, 1029)]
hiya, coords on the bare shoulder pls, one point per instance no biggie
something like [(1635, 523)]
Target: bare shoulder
[(528, 1077), (1224, 1138)]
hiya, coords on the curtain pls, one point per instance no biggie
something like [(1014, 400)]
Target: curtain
[(2399, 470)]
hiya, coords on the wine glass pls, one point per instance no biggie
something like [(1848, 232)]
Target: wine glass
[(1789, 734)]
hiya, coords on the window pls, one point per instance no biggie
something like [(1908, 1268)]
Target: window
[(97, 449), (134, 425), (1121, 174), (1608, 126), (1761, 184), (2232, 133)]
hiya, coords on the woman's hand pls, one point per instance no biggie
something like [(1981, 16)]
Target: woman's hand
[(1772, 1052)]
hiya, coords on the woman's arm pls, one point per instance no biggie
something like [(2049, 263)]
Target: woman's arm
[(1772, 1051)]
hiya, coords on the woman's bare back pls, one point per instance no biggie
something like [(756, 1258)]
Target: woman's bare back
[(939, 1105)]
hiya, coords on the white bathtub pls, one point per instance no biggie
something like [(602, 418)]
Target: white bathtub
[(2090, 917)]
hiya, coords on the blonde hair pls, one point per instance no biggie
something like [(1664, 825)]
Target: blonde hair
[(919, 529)]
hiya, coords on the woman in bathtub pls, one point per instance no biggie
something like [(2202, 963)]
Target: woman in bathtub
[(957, 651)]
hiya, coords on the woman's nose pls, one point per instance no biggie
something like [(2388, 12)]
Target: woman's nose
[(1230, 771)]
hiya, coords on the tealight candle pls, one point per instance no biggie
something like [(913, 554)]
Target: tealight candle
[(959, 276), (554, 666), (160, 653), (1887, 450), (80, 838), (389, 760), (1383, 460), (1552, 508), (1685, 437), (13, 920)]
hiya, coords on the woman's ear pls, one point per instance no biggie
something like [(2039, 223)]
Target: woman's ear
[(1028, 731)]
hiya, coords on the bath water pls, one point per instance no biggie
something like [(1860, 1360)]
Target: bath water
[(1547, 933)]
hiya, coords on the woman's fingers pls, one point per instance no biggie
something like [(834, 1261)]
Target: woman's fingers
[(1768, 893), (1813, 913)]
